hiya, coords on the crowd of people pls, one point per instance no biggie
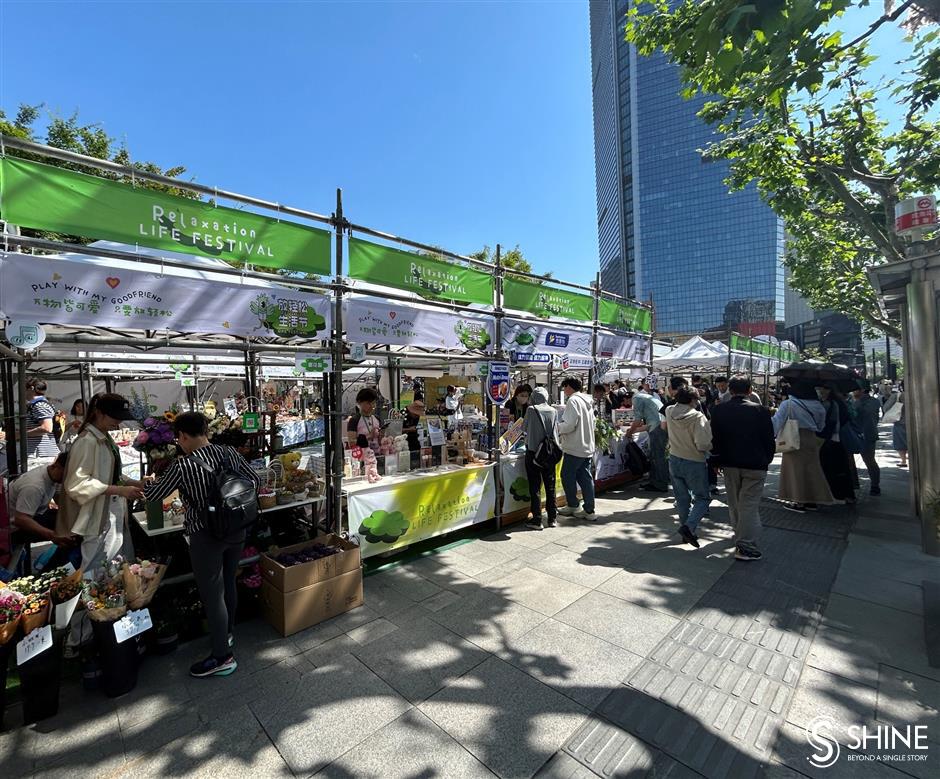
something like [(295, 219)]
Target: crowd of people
[(75, 495)]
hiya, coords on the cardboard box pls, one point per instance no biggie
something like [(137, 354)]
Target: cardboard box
[(295, 577), (296, 610)]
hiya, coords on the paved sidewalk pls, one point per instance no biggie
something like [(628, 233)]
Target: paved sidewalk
[(603, 649)]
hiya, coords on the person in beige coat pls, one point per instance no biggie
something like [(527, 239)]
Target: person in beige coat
[(94, 498)]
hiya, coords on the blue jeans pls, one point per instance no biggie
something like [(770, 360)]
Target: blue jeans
[(576, 472), (690, 482)]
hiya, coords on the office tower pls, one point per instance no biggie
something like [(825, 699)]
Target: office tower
[(666, 224)]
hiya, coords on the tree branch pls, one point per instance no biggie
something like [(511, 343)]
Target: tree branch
[(892, 17)]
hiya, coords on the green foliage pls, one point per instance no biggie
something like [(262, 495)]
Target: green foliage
[(797, 114)]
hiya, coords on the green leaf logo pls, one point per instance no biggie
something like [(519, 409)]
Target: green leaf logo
[(384, 527)]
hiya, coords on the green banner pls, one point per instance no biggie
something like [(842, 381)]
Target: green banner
[(43, 197), (425, 276), (547, 302), (625, 316)]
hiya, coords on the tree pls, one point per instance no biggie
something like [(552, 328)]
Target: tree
[(796, 111), (512, 260)]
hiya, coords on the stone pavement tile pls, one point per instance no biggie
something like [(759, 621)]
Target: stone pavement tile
[(444, 563), (538, 591), (409, 747), (258, 645), (505, 718), (569, 566), (820, 694), (624, 624), (324, 631), (907, 699), (582, 666), (497, 572), (480, 550), (533, 539), (488, 620), (408, 582), (149, 735), (705, 730), (845, 654), (329, 711), (85, 729), (16, 744), (605, 750), (440, 601), (871, 588), (372, 631), (419, 660), (609, 550), (331, 653), (653, 591), (699, 567), (232, 745), (382, 597), (563, 766)]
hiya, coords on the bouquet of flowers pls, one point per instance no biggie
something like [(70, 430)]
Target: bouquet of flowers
[(156, 439), (141, 580), (11, 610), (35, 612), (103, 596)]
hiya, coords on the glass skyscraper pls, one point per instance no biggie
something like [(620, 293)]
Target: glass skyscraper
[(666, 224)]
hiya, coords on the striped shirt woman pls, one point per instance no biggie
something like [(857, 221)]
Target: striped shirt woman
[(195, 483)]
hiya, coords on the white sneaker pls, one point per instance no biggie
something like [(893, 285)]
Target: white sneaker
[(590, 516), (566, 511)]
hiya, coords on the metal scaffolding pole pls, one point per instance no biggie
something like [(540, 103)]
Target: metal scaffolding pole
[(336, 411)]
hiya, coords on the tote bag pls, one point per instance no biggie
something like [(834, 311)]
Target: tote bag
[(894, 413), (789, 438)]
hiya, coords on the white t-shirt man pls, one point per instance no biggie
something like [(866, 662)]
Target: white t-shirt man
[(31, 492)]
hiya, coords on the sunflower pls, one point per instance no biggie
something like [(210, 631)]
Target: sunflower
[(169, 416)]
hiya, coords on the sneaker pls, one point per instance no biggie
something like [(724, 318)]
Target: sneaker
[(213, 666), (795, 507), (552, 523), (811, 506), (590, 516), (875, 491), (688, 536), (535, 524), (746, 553), (715, 491), (566, 511), (231, 640)]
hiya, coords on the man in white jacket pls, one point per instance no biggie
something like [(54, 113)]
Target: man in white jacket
[(576, 437)]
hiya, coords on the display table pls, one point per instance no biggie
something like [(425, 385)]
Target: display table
[(410, 507), (141, 516), (516, 485)]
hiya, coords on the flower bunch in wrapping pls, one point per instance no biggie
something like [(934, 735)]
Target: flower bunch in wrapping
[(103, 596), (35, 612), (141, 580), (11, 611), (37, 593)]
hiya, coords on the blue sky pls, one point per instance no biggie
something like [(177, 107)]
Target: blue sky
[(454, 123)]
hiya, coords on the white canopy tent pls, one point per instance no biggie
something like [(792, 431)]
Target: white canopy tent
[(694, 354)]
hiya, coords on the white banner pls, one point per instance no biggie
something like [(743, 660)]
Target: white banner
[(66, 292), (622, 347), (372, 321), (528, 337), (405, 510)]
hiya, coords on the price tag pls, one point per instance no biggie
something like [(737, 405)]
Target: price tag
[(35, 643), (131, 624), (64, 611), (69, 569), (436, 433)]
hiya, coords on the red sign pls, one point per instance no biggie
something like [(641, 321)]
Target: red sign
[(915, 213)]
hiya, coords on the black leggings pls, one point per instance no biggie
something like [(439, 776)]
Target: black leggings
[(215, 564)]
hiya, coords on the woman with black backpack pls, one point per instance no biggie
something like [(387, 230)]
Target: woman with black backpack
[(216, 532), (539, 427)]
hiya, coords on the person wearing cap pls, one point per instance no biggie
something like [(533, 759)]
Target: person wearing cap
[(93, 504)]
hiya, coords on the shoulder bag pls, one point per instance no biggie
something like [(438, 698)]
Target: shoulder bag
[(788, 440)]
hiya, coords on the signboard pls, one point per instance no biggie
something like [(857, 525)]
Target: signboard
[(547, 302), (25, 335), (621, 315), (390, 516), (50, 198), (76, 293), (357, 352), (131, 624), (497, 382), (38, 640), (429, 277), (380, 322), (521, 336), (915, 213), (313, 363)]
